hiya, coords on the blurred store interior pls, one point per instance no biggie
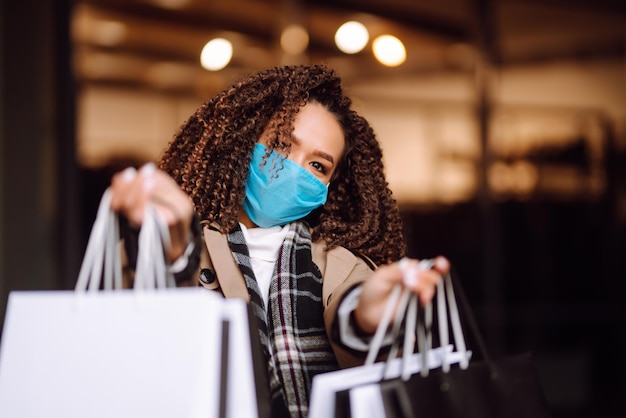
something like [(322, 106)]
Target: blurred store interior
[(503, 127)]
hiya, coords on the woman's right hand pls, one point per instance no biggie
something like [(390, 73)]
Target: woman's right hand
[(376, 290), (133, 189)]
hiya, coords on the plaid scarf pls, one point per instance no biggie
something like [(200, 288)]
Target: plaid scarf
[(291, 329)]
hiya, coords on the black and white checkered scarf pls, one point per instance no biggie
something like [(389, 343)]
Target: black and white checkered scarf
[(292, 329)]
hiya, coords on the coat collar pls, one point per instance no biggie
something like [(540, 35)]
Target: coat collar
[(335, 266), (229, 276)]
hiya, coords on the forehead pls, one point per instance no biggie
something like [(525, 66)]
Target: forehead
[(317, 127)]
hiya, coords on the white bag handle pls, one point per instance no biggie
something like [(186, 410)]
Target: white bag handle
[(407, 304), (446, 304), (154, 239), (383, 325), (396, 293), (455, 321), (102, 255)]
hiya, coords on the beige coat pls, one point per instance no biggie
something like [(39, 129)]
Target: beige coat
[(340, 269)]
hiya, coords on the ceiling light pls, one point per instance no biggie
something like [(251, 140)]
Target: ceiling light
[(351, 37), (216, 54), (108, 32), (389, 50), (172, 4), (294, 39)]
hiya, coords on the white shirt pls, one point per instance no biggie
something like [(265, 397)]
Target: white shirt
[(263, 245)]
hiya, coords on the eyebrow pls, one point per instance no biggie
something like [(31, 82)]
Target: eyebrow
[(325, 156), (317, 152)]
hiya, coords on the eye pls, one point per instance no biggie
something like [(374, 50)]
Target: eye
[(319, 167)]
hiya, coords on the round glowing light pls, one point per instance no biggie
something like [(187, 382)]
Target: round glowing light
[(351, 37), (294, 39), (389, 50), (172, 4), (216, 54), (109, 33)]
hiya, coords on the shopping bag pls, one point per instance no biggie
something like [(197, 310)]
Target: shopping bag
[(489, 388), (331, 392), (150, 351), (503, 388)]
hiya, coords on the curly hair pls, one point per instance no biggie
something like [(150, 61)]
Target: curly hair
[(210, 155)]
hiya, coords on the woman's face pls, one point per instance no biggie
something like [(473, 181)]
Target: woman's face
[(318, 141)]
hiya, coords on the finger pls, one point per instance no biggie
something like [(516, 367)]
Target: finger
[(388, 275), (426, 295), (373, 298), (164, 211), (442, 265), (411, 271), (139, 193), (147, 173), (417, 279), (173, 206), (421, 281), (170, 200), (120, 185), (424, 284), (132, 192)]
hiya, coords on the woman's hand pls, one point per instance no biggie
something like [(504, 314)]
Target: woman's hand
[(132, 189), (376, 290)]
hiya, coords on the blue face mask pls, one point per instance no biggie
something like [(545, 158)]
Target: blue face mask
[(280, 191)]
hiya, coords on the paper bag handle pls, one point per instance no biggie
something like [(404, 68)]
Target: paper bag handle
[(152, 268), (102, 255), (398, 293), (407, 307), (446, 304)]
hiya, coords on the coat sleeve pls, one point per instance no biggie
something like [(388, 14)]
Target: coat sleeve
[(342, 272)]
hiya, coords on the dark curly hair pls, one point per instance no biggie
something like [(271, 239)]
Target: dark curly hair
[(210, 154)]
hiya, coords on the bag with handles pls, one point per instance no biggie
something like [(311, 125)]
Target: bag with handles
[(150, 351), (505, 387), (331, 392)]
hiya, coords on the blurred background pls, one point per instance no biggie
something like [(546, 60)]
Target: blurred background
[(503, 125)]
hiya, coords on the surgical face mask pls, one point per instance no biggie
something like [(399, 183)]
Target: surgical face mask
[(279, 191)]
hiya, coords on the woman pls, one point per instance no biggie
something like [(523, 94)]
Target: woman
[(287, 182)]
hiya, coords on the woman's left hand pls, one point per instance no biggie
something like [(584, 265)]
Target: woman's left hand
[(377, 289), (133, 189)]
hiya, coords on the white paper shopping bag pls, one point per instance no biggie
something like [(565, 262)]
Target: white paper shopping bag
[(366, 402), (116, 354), (143, 352)]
